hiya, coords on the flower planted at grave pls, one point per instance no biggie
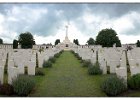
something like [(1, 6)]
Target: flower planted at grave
[(23, 85), (94, 69), (113, 86)]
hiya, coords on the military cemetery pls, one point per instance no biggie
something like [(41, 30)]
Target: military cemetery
[(102, 67)]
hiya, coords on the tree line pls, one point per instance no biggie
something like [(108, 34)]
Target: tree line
[(105, 38)]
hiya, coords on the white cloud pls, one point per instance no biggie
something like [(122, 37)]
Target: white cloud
[(131, 38), (125, 23), (24, 18), (18, 19), (73, 33)]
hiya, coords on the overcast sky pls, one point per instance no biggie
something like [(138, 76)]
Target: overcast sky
[(47, 21)]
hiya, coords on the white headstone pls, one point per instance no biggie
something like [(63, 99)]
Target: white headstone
[(121, 72), (20, 68), (113, 64), (12, 74), (103, 66), (2, 62), (1, 74), (10, 63), (31, 68), (123, 60), (134, 70)]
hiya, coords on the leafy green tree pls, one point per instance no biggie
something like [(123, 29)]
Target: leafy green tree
[(108, 37), (57, 41), (1, 41), (15, 44), (91, 41), (76, 41), (138, 43), (26, 40), (34, 42)]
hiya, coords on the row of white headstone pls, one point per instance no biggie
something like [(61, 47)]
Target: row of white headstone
[(134, 60), (21, 58), (112, 57)]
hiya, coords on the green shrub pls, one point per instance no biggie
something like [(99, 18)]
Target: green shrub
[(81, 61), (61, 51), (76, 55), (52, 59), (134, 82), (57, 55), (108, 69), (23, 85), (26, 70), (39, 71), (94, 69), (113, 86), (79, 58), (47, 64), (72, 52), (6, 89), (86, 63)]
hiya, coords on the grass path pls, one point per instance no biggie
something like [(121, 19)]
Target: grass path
[(68, 78)]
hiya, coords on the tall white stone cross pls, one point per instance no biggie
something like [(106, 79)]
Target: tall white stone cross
[(67, 30)]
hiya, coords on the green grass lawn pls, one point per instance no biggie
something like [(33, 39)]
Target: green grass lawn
[(68, 78)]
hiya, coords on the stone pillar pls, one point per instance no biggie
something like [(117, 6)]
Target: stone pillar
[(12, 74)]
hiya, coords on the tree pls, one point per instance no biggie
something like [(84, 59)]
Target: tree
[(57, 41), (1, 41), (26, 40), (15, 44), (108, 37), (34, 42), (91, 41), (138, 43), (76, 41)]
